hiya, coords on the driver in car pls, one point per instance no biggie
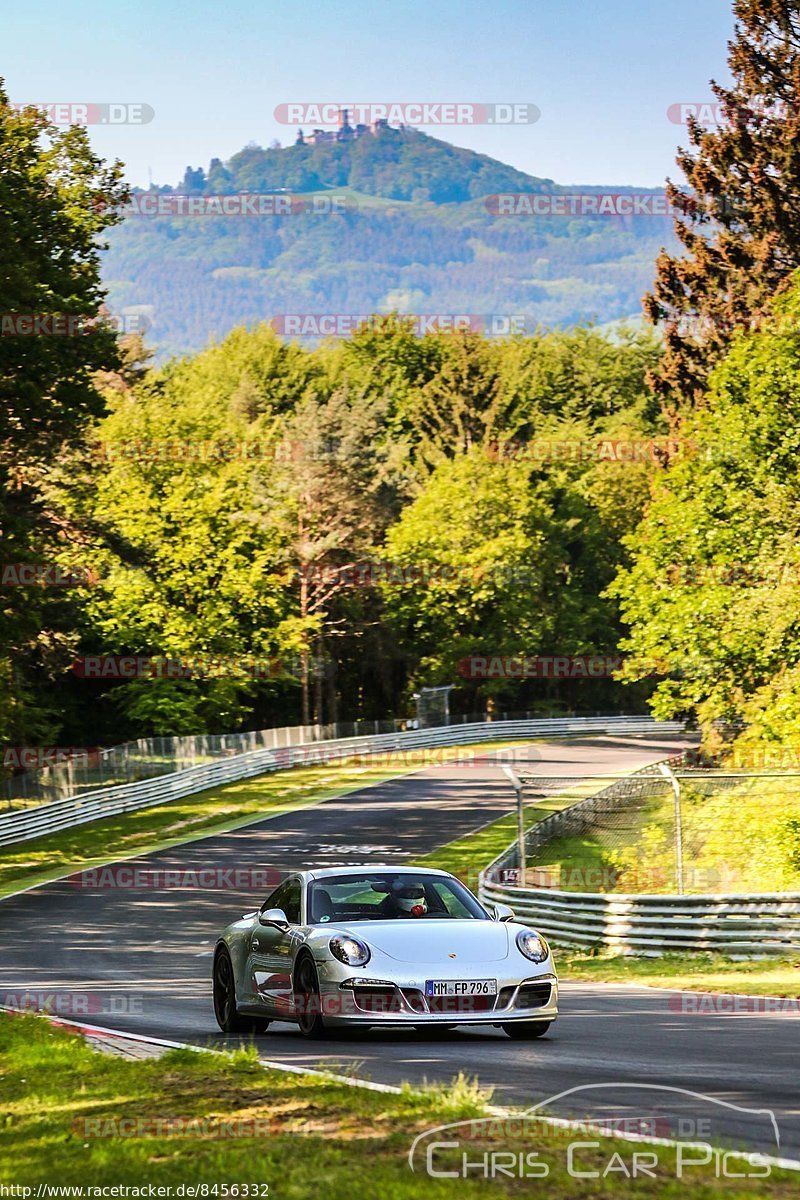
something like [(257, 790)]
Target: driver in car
[(405, 900)]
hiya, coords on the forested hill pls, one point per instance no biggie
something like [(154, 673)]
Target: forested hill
[(397, 221), (397, 164)]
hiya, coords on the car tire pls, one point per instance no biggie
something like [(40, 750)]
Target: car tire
[(229, 1019), (305, 986), (523, 1031)]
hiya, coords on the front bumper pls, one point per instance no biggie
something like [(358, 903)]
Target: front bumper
[(355, 1002)]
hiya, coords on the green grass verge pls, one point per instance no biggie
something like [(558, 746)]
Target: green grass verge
[(696, 972), (216, 810), (65, 1109)]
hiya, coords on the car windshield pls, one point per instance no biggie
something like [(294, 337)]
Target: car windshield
[(387, 895)]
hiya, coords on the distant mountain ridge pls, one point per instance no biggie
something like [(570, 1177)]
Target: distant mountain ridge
[(413, 230)]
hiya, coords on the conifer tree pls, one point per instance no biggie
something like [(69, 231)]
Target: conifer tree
[(739, 215)]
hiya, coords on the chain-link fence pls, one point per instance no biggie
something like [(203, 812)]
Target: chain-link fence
[(151, 757), (696, 832)]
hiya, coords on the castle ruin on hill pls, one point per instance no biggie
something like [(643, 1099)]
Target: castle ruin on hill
[(345, 132)]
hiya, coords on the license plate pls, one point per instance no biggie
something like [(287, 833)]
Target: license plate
[(460, 987)]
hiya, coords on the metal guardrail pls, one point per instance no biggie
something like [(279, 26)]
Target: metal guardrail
[(745, 924), (22, 824), (64, 772)]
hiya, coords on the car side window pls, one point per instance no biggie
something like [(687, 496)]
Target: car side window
[(275, 899), (287, 897), (291, 902)]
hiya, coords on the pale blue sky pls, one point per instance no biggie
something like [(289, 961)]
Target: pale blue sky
[(603, 72)]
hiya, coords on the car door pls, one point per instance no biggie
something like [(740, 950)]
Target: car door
[(272, 951)]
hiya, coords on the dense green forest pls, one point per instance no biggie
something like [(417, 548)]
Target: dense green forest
[(273, 532), (373, 505)]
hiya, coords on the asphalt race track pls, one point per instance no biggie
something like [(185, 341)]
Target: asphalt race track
[(140, 961)]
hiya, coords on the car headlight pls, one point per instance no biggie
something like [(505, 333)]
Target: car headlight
[(532, 945), (350, 951)]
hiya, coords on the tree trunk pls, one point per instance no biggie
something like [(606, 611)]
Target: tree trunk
[(306, 718), (319, 674), (333, 707)]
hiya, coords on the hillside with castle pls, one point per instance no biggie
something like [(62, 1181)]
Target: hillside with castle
[(442, 249)]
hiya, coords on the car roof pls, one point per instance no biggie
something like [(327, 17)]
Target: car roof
[(363, 868)]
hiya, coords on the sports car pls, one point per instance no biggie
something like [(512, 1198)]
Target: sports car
[(359, 946)]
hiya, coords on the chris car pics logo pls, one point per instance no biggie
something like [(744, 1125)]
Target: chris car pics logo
[(676, 1133)]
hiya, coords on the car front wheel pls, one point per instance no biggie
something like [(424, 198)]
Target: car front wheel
[(524, 1030), (308, 1004)]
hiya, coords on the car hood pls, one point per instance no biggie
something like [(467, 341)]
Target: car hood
[(421, 941)]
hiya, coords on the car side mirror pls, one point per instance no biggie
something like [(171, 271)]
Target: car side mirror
[(273, 916), (503, 912)]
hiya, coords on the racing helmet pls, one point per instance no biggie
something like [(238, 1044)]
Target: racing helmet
[(410, 898)]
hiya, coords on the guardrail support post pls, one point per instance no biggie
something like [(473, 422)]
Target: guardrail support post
[(516, 783), (667, 772)]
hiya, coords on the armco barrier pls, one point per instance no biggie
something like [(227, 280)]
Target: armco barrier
[(745, 924), (761, 923), (19, 825)]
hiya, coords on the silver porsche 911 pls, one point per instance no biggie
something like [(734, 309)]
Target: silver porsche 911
[(360, 946)]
